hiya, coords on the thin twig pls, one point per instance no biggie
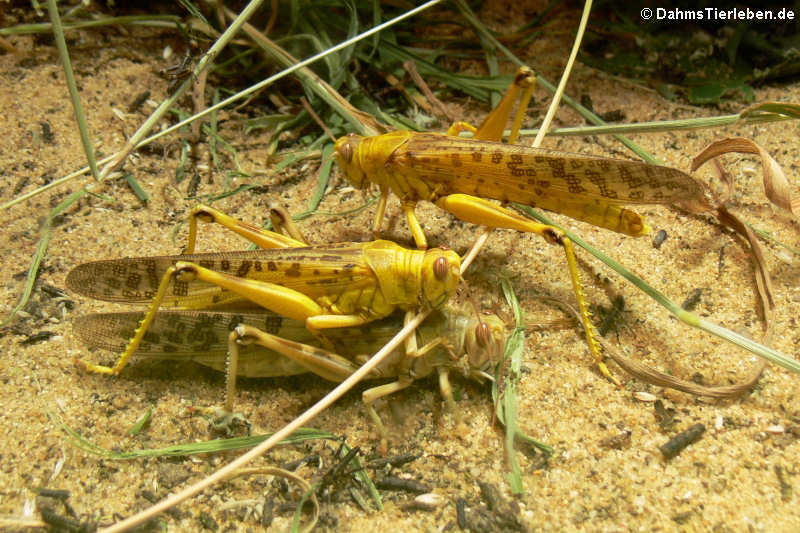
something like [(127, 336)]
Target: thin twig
[(411, 68)]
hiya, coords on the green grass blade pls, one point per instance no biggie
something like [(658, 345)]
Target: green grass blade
[(322, 183), (192, 448), (757, 114), (80, 117), (41, 250), (515, 346), (768, 237), (140, 20), (361, 474), (506, 401), (140, 424), (137, 189)]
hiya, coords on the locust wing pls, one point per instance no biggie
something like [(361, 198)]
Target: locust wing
[(202, 337), (199, 336), (541, 177), (314, 271)]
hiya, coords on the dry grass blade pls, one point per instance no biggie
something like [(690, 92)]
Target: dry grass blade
[(776, 186), (777, 190), (645, 373), (358, 119), (411, 68), (763, 281)]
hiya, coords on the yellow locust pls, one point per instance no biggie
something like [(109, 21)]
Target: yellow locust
[(263, 344), (459, 174), (326, 286)]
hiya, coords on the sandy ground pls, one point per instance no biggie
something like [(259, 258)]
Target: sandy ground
[(606, 474)]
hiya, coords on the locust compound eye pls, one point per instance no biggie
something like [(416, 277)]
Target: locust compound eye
[(483, 334), (440, 268), (346, 152)]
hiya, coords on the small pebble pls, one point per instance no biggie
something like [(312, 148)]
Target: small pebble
[(429, 501), (643, 396), (785, 256), (659, 239)]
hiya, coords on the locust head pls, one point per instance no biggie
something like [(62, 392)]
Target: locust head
[(440, 276), (348, 157), (484, 343)]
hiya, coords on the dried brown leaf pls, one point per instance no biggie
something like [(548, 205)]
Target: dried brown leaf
[(776, 186), (644, 373), (763, 281)]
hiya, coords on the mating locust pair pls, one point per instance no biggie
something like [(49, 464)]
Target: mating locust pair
[(329, 295)]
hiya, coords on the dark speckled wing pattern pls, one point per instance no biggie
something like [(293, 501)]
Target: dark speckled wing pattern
[(528, 175), (312, 270)]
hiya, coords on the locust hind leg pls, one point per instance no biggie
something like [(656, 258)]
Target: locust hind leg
[(495, 122), (140, 331), (323, 363), (283, 223), (276, 298), (260, 237), (480, 211), (327, 365)]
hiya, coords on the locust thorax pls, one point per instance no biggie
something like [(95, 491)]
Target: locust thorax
[(440, 275), (364, 160)]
